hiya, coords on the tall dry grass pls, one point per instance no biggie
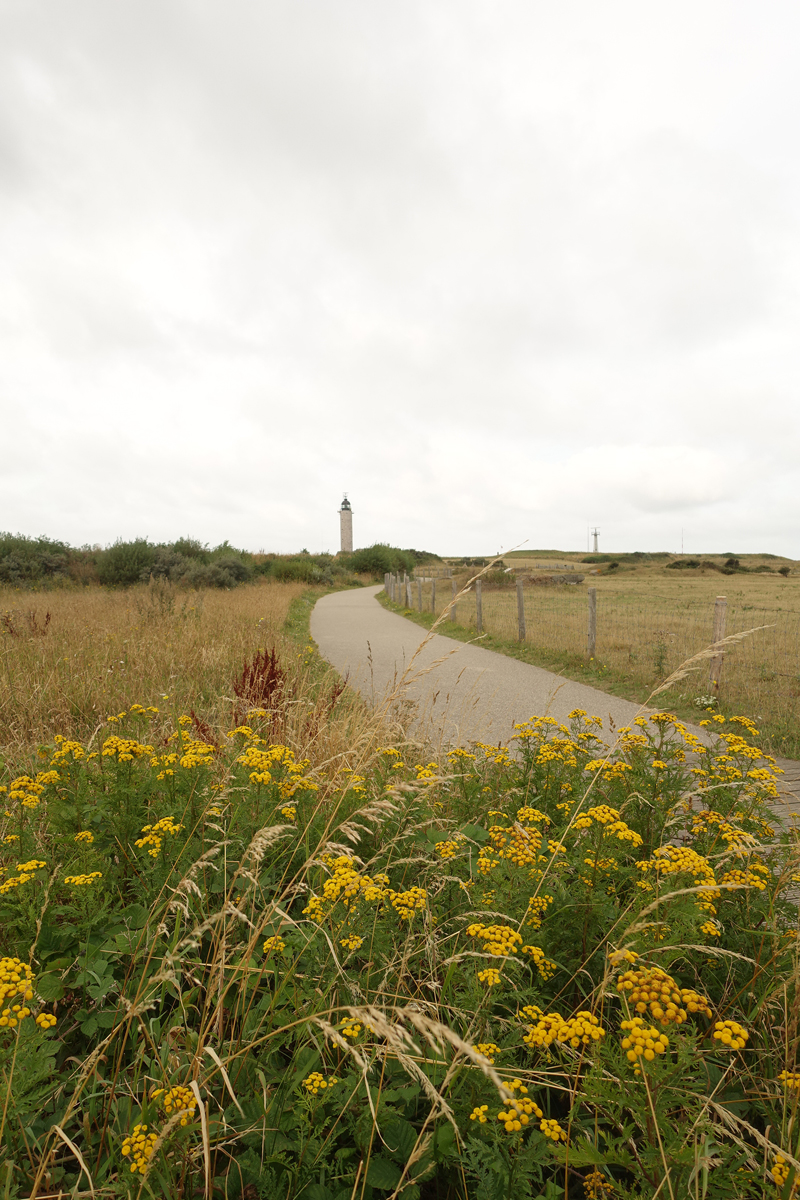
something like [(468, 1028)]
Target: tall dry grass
[(69, 659)]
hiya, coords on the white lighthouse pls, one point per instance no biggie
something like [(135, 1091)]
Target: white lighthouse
[(346, 525)]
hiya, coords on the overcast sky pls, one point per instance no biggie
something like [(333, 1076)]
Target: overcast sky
[(497, 269)]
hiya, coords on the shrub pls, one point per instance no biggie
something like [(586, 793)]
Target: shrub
[(191, 548), (25, 560), (126, 562), (303, 570), (378, 559)]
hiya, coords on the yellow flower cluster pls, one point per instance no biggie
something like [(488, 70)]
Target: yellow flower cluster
[(731, 1034), (177, 1099), (581, 1030), (275, 943), (642, 1040), (25, 873), (14, 881), (499, 940), (83, 880), (545, 966), (546, 1028), (348, 885), (649, 989), (84, 836), (489, 976), (406, 904), (125, 749), (274, 763), (354, 942), (517, 844), (748, 878), (611, 770), (780, 1172), (29, 791), (45, 1020), (351, 1030), (488, 1050), (518, 1110), (154, 835), (552, 1129), (16, 981), (315, 1083), (608, 817), (479, 1113), (791, 1080), (682, 860), (139, 1147), (537, 906), (526, 813), (448, 849), (65, 749), (596, 1186), (194, 752)]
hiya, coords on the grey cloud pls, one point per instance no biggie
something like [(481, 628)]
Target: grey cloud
[(485, 268)]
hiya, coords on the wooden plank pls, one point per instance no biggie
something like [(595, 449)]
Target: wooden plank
[(591, 639), (720, 618)]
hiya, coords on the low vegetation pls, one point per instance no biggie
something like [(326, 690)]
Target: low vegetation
[(256, 943), (43, 563)]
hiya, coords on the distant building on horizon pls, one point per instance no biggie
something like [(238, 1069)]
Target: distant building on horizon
[(346, 526)]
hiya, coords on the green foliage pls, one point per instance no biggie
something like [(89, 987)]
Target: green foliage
[(126, 562), (378, 559), (316, 983), (25, 561)]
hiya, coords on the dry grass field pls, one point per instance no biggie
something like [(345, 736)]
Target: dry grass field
[(70, 658), (650, 619)]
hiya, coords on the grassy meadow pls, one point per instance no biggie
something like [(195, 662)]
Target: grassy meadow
[(254, 942), (650, 619)]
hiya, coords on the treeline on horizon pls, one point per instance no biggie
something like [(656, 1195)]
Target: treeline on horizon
[(37, 562)]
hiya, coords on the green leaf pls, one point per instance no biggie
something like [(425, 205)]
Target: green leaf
[(399, 1136), (136, 916), (381, 1173), (50, 987), (475, 833), (444, 1141)]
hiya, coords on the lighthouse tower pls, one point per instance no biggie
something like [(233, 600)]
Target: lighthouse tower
[(346, 525)]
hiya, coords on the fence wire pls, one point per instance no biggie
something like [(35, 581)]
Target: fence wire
[(643, 635)]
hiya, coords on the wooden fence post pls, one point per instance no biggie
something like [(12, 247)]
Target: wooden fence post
[(453, 606), (419, 593), (478, 606), (433, 595), (408, 592), (520, 611), (592, 627), (386, 582), (720, 615)]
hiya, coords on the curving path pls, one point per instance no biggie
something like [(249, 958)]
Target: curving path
[(460, 692)]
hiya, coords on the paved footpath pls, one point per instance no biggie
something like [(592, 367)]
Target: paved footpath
[(460, 692)]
